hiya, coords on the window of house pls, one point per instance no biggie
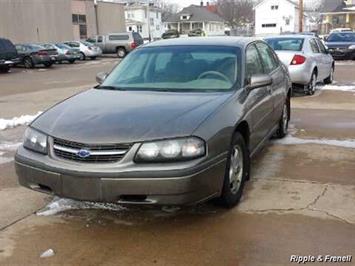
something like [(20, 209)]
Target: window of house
[(139, 28), (83, 31), (157, 14), (130, 28), (269, 25), (82, 19), (275, 7), (152, 21)]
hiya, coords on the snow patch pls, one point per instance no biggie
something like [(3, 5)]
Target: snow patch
[(61, 204), (6, 147), (338, 88), (290, 140), (17, 121), (48, 253)]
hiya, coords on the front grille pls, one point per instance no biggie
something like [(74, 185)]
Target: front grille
[(99, 153)]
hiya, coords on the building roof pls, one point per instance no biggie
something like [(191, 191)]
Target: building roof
[(197, 14), (332, 5), (215, 41)]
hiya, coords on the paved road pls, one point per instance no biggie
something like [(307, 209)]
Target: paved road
[(299, 201)]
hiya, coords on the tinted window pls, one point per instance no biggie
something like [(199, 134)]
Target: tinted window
[(286, 44), (253, 62), (196, 68), (341, 37), (118, 37), (314, 46), (99, 39), (267, 56)]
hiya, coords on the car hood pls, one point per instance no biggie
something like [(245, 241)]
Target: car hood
[(339, 44), (106, 116)]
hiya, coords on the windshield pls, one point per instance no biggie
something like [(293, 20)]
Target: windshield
[(342, 37), (178, 68), (286, 44), (63, 46), (87, 43)]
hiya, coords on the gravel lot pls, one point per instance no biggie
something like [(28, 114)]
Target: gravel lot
[(300, 200)]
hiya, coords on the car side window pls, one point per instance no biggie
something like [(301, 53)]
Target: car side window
[(321, 47), (99, 39), (253, 62), (268, 58), (314, 46)]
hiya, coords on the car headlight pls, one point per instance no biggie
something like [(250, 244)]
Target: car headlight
[(171, 150), (35, 141), (352, 47)]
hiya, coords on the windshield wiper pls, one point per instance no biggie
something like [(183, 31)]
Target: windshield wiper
[(112, 88)]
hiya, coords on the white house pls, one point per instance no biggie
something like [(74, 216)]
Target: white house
[(139, 17), (277, 16), (196, 17)]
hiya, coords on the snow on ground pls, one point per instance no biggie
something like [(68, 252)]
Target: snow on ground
[(17, 121), (7, 147), (291, 140), (61, 204), (339, 87)]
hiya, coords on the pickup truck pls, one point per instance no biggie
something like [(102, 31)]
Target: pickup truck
[(118, 43), (8, 55)]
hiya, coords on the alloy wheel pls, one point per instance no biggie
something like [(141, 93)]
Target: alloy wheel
[(236, 169)]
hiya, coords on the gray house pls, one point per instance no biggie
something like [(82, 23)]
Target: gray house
[(196, 17)]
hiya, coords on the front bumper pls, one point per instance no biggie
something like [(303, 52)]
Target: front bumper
[(342, 54), (187, 185)]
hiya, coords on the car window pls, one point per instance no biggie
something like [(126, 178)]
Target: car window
[(122, 37), (178, 68), (99, 39), (314, 46), (286, 44), (267, 57), (321, 47), (341, 37), (253, 62)]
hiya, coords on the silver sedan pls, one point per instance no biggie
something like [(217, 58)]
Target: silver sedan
[(307, 59)]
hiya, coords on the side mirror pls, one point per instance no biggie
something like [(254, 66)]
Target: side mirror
[(100, 77), (259, 80)]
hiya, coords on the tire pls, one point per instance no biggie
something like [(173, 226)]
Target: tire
[(4, 69), (82, 56), (311, 87), (283, 123), (71, 61), (121, 52), (48, 64), (93, 57), (233, 189), (329, 80), (28, 63)]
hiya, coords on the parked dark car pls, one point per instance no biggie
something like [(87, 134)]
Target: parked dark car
[(8, 55), (176, 122), (32, 55), (196, 33), (170, 34), (341, 45), (65, 52)]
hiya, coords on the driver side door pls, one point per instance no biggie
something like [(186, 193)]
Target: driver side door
[(259, 101)]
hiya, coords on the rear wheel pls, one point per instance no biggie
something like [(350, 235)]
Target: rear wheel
[(311, 87), (121, 52), (82, 56), (329, 80), (236, 172), (27, 62), (48, 64), (283, 123)]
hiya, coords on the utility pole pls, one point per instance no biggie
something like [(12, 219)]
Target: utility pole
[(301, 11), (148, 17), (96, 17)]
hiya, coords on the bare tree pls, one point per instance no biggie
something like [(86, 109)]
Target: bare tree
[(167, 8), (236, 12)]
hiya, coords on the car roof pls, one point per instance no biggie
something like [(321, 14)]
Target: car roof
[(294, 36), (205, 41)]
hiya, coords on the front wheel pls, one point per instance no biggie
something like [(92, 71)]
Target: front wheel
[(28, 63), (236, 173), (82, 56)]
